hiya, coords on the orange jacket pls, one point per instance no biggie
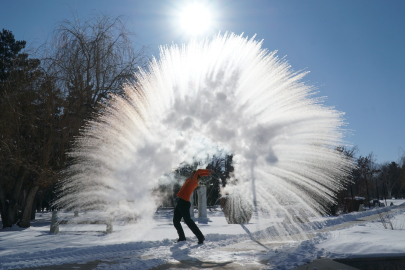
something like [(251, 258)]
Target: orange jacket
[(191, 183)]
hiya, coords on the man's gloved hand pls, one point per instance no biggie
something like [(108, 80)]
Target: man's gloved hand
[(214, 175)]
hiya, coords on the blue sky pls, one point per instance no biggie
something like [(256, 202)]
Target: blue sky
[(354, 50)]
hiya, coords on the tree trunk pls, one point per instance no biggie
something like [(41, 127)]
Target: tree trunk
[(11, 207), (25, 220), (34, 209), (22, 198), (40, 206), (3, 203)]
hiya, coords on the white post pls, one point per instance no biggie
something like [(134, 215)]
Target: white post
[(54, 223), (192, 206), (109, 227), (202, 203)]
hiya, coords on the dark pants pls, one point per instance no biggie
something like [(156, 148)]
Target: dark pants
[(182, 210)]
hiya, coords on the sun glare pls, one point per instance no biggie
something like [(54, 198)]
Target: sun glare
[(195, 19)]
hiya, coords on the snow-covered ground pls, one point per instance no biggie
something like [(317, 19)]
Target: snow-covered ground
[(149, 245)]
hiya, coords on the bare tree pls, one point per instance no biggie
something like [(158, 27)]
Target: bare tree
[(44, 103), (347, 179), (91, 59), (363, 175), (402, 174), (391, 175)]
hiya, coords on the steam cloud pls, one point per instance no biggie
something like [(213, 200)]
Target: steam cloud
[(225, 94)]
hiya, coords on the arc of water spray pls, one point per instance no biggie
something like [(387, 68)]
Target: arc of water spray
[(254, 192), (282, 138)]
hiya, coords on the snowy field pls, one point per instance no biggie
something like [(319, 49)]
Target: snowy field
[(359, 234)]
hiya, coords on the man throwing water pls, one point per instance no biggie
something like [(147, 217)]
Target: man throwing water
[(182, 209)]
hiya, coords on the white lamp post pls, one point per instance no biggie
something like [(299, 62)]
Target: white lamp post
[(202, 204)]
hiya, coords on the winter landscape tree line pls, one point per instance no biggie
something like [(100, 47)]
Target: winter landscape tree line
[(371, 180), (46, 96), (48, 93)]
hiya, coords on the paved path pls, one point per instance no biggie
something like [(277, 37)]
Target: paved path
[(80, 266), (186, 264), (325, 264)]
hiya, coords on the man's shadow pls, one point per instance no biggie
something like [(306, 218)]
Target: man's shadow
[(184, 258)]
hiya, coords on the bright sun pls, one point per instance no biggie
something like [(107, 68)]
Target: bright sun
[(195, 19)]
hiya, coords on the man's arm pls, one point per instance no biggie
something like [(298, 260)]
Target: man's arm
[(202, 173)]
